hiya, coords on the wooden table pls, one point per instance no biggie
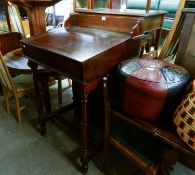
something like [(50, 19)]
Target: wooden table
[(89, 47), (36, 13), (17, 63)]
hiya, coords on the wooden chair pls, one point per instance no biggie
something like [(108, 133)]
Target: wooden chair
[(10, 41), (17, 87), (59, 78)]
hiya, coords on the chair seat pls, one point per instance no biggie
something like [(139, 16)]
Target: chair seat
[(23, 82), (19, 86)]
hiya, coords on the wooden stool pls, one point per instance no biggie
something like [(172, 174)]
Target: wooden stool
[(143, 88), (139, 145)]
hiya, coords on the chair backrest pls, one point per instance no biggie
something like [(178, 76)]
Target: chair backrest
[(9, 41), (5, 77)]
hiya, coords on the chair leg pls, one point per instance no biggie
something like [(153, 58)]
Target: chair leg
[(141, 51), (69, 82), (7, 105), (60, 91), (17, 108), (148, 46)]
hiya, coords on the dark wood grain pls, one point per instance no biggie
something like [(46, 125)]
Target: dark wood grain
[(82, 49), (173, 139), (117, 20)]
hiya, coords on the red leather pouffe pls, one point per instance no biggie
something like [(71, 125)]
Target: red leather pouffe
[(150, 88)]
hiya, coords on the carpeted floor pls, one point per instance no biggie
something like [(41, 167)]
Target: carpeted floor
[(25, 152)]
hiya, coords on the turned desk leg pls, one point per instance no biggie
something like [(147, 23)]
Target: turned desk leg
[(80, 100), (43, 78), (81, 93), (39, 103), (84, 131)]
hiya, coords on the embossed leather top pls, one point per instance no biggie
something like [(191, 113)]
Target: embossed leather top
[(157, 71), (150, 88)]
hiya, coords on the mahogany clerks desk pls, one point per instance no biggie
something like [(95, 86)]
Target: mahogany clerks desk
[(90, 45)]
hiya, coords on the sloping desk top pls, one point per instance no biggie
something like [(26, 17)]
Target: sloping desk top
[(81, 53), (92, 42)]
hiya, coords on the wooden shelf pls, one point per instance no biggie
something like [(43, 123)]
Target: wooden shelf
[(166, 132)]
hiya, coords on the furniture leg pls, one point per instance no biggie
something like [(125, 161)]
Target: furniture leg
[(84, 131), (106, 123), (69, 82), (59, 90), (76, 99), (148, 46), (17, 107), (7, 105), (43, 79), (39, 103)]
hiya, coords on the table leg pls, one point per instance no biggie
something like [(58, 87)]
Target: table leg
[(44, 80), (39, 102), (84, 131), (81, 94)]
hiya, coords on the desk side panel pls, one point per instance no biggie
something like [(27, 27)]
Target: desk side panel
[(50, 60)]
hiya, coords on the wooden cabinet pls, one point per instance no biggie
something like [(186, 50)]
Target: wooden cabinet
[(94, 4), (80, 3)]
